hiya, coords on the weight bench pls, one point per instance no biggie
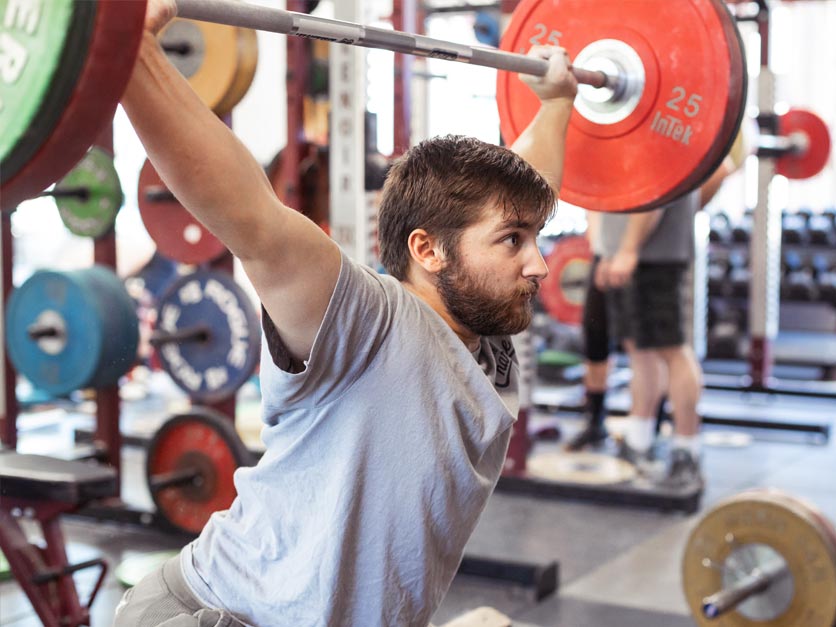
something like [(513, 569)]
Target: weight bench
[(42, 488)]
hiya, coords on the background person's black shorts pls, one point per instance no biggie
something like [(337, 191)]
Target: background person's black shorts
[(649, 309)]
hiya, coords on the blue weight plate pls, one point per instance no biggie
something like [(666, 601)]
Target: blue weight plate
[(213, 367), (57, 299), (121, 325)]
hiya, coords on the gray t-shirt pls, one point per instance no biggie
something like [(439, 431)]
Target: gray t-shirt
[(380, 457), (671, 240)]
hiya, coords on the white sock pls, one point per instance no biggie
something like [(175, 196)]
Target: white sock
[(639, 433), (690, 443)]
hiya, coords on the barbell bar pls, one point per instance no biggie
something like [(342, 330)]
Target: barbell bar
[(753, 583), (649, 124), (233, 13)]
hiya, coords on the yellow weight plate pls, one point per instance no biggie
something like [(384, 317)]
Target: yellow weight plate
[(206, 54), (748, 530), (243, 78), (586, 468)]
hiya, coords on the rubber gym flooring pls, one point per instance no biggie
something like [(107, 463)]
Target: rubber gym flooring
[(619, 566)]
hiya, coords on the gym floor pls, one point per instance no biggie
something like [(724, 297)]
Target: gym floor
[(618, 565)]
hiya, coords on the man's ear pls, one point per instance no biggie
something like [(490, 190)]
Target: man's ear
[(426, 251)]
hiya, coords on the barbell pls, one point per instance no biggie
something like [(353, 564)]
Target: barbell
[(762, 557), (661, 99), (189, 466)]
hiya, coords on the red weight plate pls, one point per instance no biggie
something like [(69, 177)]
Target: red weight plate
[(207, 441), (178, 235), (111, 53), (564, 291), (738, 93), (808, 163), (684, 119)]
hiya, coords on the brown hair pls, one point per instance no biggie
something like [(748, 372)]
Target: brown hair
[(443, 184)]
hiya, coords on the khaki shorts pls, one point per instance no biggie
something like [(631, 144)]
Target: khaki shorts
[(163, 599)]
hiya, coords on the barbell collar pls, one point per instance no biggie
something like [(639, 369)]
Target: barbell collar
[(757, 581), (284, 22)]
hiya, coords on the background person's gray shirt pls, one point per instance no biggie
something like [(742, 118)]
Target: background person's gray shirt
[(671, 240), (380, 458)]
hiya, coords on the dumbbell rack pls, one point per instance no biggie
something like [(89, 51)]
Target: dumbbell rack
[(765, 259)]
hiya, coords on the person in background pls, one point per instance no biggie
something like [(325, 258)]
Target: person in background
[(643, 268)]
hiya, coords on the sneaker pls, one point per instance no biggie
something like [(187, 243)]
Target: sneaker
[(642, 461), (590, 436), (683, 471)]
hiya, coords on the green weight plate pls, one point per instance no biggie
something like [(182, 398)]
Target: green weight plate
[(93, 214), (43, 48), (80, 100)]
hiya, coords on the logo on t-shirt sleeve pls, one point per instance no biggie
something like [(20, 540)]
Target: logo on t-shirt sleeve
[(504, 354)]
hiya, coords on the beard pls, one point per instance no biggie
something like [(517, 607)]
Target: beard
[(478, 304)]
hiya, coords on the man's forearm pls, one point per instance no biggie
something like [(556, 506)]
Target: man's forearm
[(547, 157)]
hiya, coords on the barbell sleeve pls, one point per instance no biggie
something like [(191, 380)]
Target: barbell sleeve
[(81, 193), (245, 15), (196, 333), (38, 331), (754, 583), (174, 479), (158, 193)]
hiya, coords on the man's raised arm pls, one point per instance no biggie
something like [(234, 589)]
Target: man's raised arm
[(292, 264), (543, 142)]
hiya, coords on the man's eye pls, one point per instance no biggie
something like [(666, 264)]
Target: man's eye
[(513, 239)]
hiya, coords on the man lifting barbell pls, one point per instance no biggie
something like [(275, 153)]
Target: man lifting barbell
[(389, 401)]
